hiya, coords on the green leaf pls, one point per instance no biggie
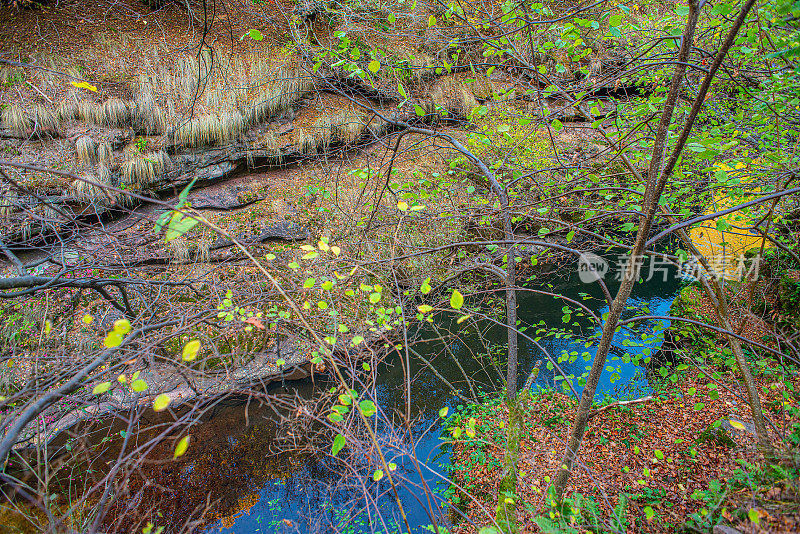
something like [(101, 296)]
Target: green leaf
[(374, 66), (99, 389), (139, 385), (190, 350), (456, 300), (374, 297), (178, 227), (754, 516), (377, 475), (335, 417), (557, 125), (357, 340), (113, 339), (185, 193), (401, 90), (419, 111), (182, 447), (659, 454), (614, 20), (338, 444), (255, 35), (431, 21), (122, 326), (443, 412), (426, 286), (391, 18), (365, 366), (649, 513), (161, 402), (367, 407)]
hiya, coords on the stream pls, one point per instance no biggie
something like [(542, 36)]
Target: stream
[(253, 488)]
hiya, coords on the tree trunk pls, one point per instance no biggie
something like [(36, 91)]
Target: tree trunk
[(655, 186)]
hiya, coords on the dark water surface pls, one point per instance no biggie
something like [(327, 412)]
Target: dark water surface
[(286, 502), (234, 464)]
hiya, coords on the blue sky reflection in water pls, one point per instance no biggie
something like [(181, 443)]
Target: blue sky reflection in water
[(462, 355)]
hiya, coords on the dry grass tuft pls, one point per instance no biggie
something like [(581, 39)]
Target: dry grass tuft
[(232, 125), (86, 149), (143, 170), (104, 153), (114, 113), (204, 130), (46, 121), (451, 93), (16, 120), (348, 125), (178, 250), (90, 112), (92, 191), (149, 116), (68, 110)]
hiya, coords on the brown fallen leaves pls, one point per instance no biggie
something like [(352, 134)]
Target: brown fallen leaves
[(651, 452)]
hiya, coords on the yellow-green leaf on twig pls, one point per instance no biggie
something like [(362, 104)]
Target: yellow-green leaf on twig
[(338, 444), (190, 350), (738, 425), (182, 446), (161, 402), (122, 326), (374, 66), (377, 475), (113, 339), (99, 389), (456, 300)]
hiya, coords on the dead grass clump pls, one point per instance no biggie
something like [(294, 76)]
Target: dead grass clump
[(178, 250), (86, 149), (451, 93), (348, 125), (232, 125), (91, 190), (45, 119), (276, 89), (90, 112), (143, 170), (204, 130), (104, 153), (114, 113), (16, 120), (68, 110)]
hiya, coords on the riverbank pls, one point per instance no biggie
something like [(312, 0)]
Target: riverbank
[(683, 459)]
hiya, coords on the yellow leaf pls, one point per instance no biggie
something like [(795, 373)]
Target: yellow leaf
[(336, 250), (738, 425), (101, 388), (190, 350), (87, 319), (122, 326), (182, 447), (418, 207), (161, 402), (402, 206), (85, 85)]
